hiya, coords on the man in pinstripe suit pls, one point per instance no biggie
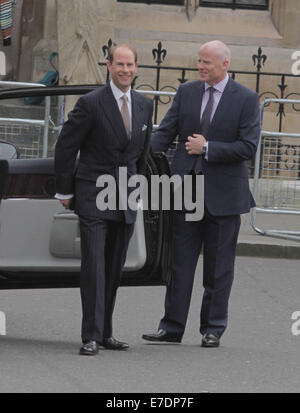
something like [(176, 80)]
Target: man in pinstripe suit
[(111, 127)]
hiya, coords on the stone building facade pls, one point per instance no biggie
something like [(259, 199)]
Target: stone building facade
[(77, 30)]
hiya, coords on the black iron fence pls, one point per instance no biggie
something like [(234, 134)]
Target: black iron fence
[(281, 84), (159, 55), (232, 4)]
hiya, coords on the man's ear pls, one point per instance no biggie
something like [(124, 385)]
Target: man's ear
[(108, 64), (226, 63)]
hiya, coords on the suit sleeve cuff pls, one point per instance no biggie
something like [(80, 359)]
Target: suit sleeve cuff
[(63, 197)]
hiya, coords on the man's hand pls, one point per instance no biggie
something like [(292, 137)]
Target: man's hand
[(66, 203), (195, 144)]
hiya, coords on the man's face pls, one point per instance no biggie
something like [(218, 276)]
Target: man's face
[(212, 66), (123, 68)]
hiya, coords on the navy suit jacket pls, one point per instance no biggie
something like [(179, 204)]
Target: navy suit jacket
[(96, 129), (233, 137)]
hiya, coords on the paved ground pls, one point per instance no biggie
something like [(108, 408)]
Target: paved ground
[(252, 244), (258, 353)]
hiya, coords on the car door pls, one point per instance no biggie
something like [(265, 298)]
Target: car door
[(40, 240)]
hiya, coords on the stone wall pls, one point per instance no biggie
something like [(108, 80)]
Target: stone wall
[(83, 27), (78, 29)]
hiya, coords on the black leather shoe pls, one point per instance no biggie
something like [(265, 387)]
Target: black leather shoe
[(162, 335), (112, 344), (90, 348), (210, 340)]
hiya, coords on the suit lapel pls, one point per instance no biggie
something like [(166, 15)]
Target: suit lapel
[(137, 118), (224, 104), (196, 104), (113, 114)]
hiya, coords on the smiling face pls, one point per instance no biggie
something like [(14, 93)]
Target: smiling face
[(123, 68), (213, 62)]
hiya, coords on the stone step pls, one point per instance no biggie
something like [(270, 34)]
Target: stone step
[(253, 244)]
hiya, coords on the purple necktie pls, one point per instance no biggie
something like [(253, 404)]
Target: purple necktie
[(204, 126), (206, 117)]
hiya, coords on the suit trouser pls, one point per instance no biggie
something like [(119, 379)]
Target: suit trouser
[(219, 237), (104, 245)]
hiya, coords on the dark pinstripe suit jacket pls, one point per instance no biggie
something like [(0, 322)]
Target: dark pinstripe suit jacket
[(95, 128)]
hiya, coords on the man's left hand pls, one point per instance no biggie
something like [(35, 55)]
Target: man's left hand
[(194, 145)]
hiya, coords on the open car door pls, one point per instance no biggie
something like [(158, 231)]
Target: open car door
[(40, 240)]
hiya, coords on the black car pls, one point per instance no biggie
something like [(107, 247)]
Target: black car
[(40, 240)]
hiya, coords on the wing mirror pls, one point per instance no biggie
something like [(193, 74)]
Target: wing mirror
[(8, 151)]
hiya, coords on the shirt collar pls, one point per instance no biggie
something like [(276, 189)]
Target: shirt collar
[(118, 93), (220, 87)]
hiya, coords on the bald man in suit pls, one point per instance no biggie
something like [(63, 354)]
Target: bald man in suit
[(218, 125)]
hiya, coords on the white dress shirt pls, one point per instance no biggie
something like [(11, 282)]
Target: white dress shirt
[(118, 94), (219, 90)]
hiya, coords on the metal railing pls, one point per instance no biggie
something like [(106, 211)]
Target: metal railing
[(276, 186), (49, 125), (276, 181), (281, 82), (34, 122), (161, 77)]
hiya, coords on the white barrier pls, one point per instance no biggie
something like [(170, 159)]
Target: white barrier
[(270, 146)]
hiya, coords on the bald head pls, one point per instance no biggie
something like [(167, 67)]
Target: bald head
[(214, 58), (217, 48)]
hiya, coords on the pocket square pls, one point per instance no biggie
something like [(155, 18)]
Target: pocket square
[(144, 128)]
